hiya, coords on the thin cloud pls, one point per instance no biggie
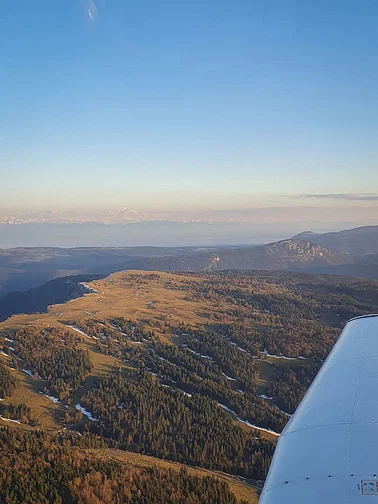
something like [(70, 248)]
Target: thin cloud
[(340, 196), (91, 10)]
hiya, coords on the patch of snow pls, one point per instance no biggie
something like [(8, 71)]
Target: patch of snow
[(119, 329), (89, 289), (166, 360), (53, 399), (199, 355), (228, 377), (239, 348), (206, 357), (223, 406), (10, 420), (263, 396), (241, 391), (265, 352), (281, 411), (28, 372), (74, 328), (9, 340), (245, 422), (242, 350), (3, 353), (175, 388), (86, 413)]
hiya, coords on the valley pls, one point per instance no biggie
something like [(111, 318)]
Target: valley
[(352, 252)]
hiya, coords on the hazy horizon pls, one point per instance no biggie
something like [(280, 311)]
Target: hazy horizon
[(148, 233), (256, 115)]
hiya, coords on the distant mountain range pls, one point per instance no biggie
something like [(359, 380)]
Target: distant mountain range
[(351, 252), (58, 217), (358, 242), (24, 268)]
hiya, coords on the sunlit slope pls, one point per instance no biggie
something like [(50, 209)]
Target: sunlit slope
[(144, 296), (150, 298), (240, 346), (240, 490)]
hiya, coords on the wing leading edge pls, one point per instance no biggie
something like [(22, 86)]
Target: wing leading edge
[(328, 452)]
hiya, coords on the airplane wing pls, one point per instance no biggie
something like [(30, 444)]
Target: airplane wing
[(328, 452)]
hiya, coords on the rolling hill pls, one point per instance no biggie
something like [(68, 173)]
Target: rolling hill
[(26, 268), (153, 372), (38, 299)]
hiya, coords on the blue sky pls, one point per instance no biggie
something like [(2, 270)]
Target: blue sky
[(176, 105)]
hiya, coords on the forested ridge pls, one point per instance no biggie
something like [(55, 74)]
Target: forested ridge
[(293, 314), (211, 394), (46, 468), (143, 416), (187, 370)]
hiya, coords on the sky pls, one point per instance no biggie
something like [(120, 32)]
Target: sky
[(212, 110)]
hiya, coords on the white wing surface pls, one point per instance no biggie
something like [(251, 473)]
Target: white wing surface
[(328, 452)]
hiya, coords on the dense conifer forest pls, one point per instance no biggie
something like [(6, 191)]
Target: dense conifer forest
[(8, 382), (48, 354), (145, 417), (290, 385), (54, 469)]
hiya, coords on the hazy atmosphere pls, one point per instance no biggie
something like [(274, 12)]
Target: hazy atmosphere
[(232, 122)]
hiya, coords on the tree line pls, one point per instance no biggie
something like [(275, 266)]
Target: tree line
[(143, 416), (48, 468)]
